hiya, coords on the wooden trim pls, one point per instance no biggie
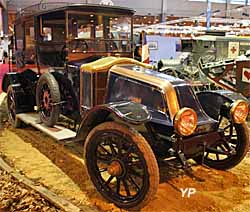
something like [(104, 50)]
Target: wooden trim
[(172, 100), (41, 26), (106, 63), (75, 12), (80, 56), (92, 89), (81, 92), (67, 24)]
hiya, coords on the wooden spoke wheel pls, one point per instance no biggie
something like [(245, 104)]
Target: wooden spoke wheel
[(121, 165), (231, 148)]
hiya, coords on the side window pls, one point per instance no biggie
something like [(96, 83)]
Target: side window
[(30, 52), (19, 41), (19, 34), (84, 31), (47, 34), (53, 29), (29, 35), (51, 34)]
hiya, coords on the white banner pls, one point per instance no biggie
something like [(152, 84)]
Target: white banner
[(233, 49), (246, 75)]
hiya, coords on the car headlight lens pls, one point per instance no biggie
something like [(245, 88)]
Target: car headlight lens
[(239, 111), (185, 121)]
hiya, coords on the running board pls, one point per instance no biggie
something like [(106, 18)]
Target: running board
[(57, 132)]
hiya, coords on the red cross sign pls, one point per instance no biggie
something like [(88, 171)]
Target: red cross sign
[(233, 50)]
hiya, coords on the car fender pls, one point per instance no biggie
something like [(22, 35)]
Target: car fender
[(212, 101), (10, 79), (129, 113), (24, 98), (16, 78)]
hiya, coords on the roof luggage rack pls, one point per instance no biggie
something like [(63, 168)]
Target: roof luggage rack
[(36, 8)]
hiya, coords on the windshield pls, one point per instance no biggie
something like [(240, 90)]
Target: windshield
[(99, 33), (124, 89)]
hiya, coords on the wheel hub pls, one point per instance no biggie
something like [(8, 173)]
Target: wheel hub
[(46, 100), (115, 168)]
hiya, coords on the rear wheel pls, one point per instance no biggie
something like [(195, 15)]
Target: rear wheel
[(230, 150), (121, 165), (11, 108), (47, 95)]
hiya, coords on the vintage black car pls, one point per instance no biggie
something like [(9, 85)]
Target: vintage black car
[(59, 37), (128, 116)]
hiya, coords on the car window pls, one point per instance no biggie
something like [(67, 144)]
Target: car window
[(53, 30), (191, 101), (47, 34), (19, 34), (99, 33), (132, 90), (29, 35), (84, 31)]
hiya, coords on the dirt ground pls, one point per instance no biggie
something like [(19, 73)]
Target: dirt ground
[(14, 196), (222, 191)]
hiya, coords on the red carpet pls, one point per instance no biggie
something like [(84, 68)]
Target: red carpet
[(3, 69)]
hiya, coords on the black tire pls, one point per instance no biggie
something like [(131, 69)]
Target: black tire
[(11, 108), (127, 155), (239, 143), (48, 93)]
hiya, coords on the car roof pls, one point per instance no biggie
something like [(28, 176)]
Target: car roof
[(47, 8)]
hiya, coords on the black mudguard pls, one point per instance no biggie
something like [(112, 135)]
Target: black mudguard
[(23, 85), (10, 79), (212, 101), (127, 112), (26, 79)]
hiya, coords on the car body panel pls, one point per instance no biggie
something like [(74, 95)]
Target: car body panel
[(177, 93), (127, 112), (212, 101)]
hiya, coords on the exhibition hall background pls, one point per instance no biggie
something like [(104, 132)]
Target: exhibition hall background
[(145, 7)]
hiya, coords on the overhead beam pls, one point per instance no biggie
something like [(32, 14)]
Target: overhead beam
[(208, 19), (227, 8), (3, 4), (162, 11)]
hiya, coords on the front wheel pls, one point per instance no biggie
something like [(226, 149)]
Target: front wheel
[(230, 150), (121, 165)]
